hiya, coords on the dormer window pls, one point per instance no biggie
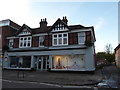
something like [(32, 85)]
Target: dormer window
[(60, 39), (25, 42)]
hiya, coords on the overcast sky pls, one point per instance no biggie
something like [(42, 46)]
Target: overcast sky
[(102, 15)]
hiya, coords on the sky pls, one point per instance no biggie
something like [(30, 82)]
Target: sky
[(102, 15)]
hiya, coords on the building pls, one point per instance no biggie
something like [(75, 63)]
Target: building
[(60, 47), (117, 56), (7, 28)]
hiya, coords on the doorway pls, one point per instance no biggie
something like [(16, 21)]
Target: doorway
[(42, 63)]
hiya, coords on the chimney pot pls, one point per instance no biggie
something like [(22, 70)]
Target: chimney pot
[(43, 23), (65, 20)]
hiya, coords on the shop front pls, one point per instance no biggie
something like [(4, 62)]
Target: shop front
[(20, 62), (75, 62)]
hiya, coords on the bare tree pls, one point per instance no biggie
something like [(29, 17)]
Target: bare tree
[(108, 49)]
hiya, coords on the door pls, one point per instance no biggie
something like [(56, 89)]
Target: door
[(43, 63)]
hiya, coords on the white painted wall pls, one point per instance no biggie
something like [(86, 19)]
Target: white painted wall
[(89, 59)]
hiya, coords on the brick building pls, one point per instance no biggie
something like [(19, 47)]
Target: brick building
[(60, 47), (7, 28)]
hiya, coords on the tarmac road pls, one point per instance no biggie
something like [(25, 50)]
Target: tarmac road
[(28, 85), (23, 84)]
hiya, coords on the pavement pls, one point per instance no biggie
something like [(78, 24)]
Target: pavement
[(63, 78)]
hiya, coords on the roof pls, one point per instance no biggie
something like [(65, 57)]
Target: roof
[(117, 48), (49, 28), (40, 30), (8, 22)]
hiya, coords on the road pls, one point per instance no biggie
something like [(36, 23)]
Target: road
[(30, 85), (24, 84)]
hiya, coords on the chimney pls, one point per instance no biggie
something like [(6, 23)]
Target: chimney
[(43, 23), (65, 20)]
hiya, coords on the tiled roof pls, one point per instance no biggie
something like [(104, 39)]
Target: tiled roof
[(40, 30)]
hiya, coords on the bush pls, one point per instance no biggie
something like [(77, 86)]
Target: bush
[(88, 43)]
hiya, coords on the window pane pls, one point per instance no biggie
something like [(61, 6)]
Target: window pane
[(28, 38), (24, 44), (25, 38), (60, 41), (28, 44), (55, 41), (55, 36), (81, 37), (64, 35), (21, 44), (81, 34), (81, 40), (60, 35), (64, 40), (41, 40)]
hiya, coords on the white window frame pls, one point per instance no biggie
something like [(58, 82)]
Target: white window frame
[(42, 40), (83, 36), (23, 42), (57, 38), (11, 43)]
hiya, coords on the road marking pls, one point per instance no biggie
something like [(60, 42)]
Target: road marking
[(77, 87), (6, 80), (51, 84)]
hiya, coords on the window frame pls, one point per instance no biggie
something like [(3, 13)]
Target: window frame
[(22, 42), (81, 36), (43, 36), (11, 45), (58, 38)]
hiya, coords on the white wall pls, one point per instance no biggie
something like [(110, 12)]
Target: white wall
[(89, 59)]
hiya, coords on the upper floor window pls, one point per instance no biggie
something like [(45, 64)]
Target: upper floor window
[(11, 43), (81, 37), (41, 40), (25, 42), (60, 39)]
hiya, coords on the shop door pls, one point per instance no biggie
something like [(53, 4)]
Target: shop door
[(42, 63)]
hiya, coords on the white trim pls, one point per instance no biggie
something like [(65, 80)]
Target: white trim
[(60, 30), (40, 34), (11, 37), (80, 30)]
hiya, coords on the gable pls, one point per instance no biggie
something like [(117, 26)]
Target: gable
[(59, 25), (24, 32)]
